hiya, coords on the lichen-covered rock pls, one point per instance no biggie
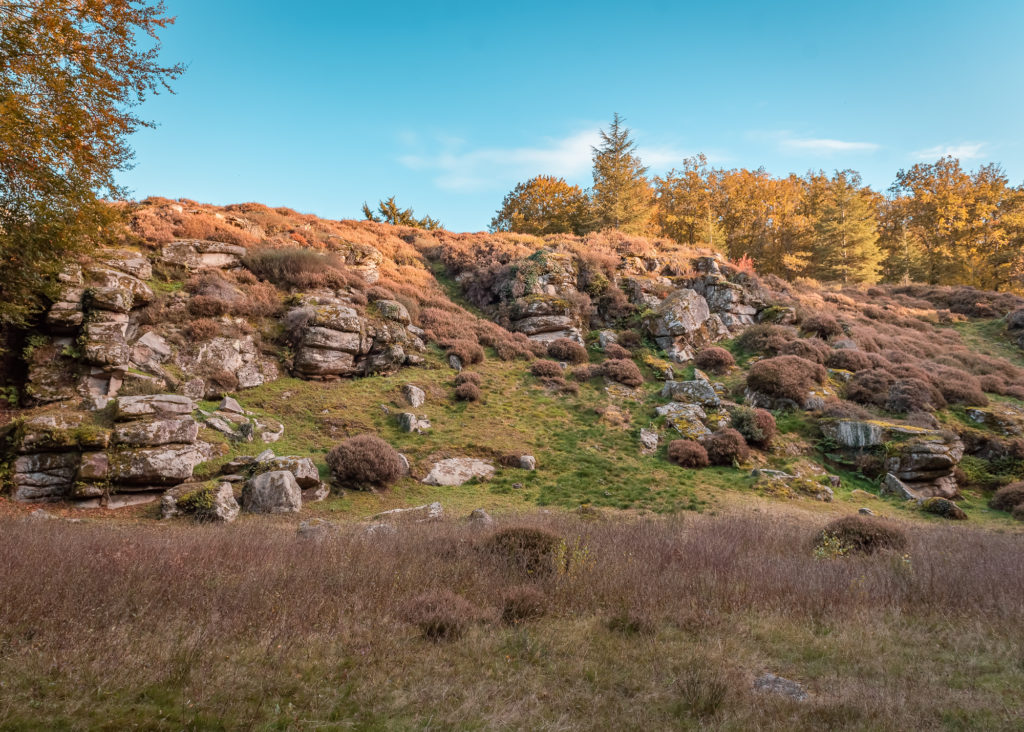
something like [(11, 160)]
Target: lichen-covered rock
[(410, 422), (1007, 419), (456, 471), (393, 310), (198, 255), (202, 502), (153, 405), (273, 492), (686, 419), (239, 357), (303, 469), (164, 465), (414, 395), (698, 391), (60, 432), (156, 432)]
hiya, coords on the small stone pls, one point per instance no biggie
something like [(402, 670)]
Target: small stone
[(480, 517), (409, 422), (274, 492), (455, 362), (264, 456), (865, 511), (230, 404), (414, 395), (527, 462), (772, 684), (649, 440)]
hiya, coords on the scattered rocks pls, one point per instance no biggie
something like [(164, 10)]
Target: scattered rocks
[(699, 391), (409, 422)]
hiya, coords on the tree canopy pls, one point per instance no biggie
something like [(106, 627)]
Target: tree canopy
[(389, 212), (622, 196), (71, 75), (543, 205)]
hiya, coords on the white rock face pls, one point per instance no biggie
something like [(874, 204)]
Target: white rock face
[(274, 492), (132, 407), (456, 471)]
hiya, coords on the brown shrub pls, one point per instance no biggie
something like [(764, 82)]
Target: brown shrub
[(870, 387), (756, 425), (766, 339), (467, 351), (687, 454), (206, 306), (365, 461), (441, 615), (992, 383), (623, 371), (1008, 497), (544, 369), (812, 349), (300, 267), (838, 409), (630, 339), (468, 392), (566, 349), (631, 621), (525, 549), (715, 359), (822, 325), (523, 603), (864, 535), (614, 350), (468, 377), (379, 293), (586, 373), (786, 377), (913, 395), (852, 360), (725, 447), (202, 329), (958, 387)]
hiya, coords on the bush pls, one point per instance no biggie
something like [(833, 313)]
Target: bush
[(813, 349), (766, 339), (1008, 497), (725, 447), (944, 507), (958, 387), (468, 377), (586, 373), (623, 371), (839, 409), (715, 359), (300, 267), (566, 349), (468, 392), (365, 461), (614, 350), (544, 369), (523, 603), (202, 329), (864, 535), (822, 325), (913, 395), (467, 351), (630, 339), (377, 292), (525, 549), (850, 360), (870, 387), (632, 622), (756, 425), (687, 454), (441, 615), (786, 377)]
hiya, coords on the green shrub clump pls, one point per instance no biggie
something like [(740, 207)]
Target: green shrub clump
[(756, 425)]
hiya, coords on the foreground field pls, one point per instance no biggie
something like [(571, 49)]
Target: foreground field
[(643, 623)]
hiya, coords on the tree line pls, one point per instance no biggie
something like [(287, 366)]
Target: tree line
[(938, 223)]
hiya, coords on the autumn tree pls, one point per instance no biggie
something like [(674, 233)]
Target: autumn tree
[(71, 75), (845, 230), (389, 212), (622, 196), (543, 205), (685, 209)]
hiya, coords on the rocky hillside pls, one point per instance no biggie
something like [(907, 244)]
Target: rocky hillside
[(216, 355)]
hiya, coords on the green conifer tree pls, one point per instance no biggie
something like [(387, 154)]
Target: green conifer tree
[(847, 232), (622, 196)]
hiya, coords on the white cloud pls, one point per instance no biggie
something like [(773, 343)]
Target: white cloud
[(963, 151), (825, 145), (459, 167)]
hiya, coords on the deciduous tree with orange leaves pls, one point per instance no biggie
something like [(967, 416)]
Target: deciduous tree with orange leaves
[(72, 74)]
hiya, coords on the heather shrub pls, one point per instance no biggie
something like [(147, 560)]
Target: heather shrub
[(206, 306), (467, 351), (623, 371), (299, 267), (913, 395), (630, 338), (851, 360), (687, 454), (786, 377), (544, 369), (870, 387), (523, 603), (614, 350), (863, 535), (812, 349), (525, 549), (1008, 497), (725, 447), (822, 325), (468, 377), (756, 425), (566, 349), (468, 392), (202, 329), (365, 461), (838, 409), (958, 387), (767, 339), (441, 615), (586, 372), (379, 293), (715, 359), (992, 383)]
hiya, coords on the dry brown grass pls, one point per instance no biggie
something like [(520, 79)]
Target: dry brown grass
[(250, 625)]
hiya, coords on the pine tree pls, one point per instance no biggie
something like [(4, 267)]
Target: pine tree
[(389, 212), (622, 196), (846, 228)]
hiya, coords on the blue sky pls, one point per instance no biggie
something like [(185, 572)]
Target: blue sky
[(321, 105)]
